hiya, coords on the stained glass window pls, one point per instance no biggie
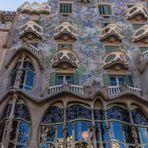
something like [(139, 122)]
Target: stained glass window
[(27, 77), (78, 112), (117, 112)]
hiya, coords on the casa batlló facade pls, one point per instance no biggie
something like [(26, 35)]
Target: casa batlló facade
[(74, 74)]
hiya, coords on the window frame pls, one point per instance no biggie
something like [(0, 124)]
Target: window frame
[(67, 13), (66, 43), (105, 4), (104, 46)]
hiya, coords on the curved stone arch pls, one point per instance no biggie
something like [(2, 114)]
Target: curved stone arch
[(80, 103), (140, 107), (48, 108), (120, 104), (24, 50), (20, 118)]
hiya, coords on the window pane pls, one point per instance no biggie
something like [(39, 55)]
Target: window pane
[(14, 130), (144, 135), (23, 132), (113, 81), (82, 130), (60, 135), (104, 132), (116, 131), (60, 79)]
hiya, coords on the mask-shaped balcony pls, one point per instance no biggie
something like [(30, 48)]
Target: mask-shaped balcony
[(115, 60), (64, 58), (141, 35), (35, 8), (31, 30), (137, 12), (111, 33), (66, 32)]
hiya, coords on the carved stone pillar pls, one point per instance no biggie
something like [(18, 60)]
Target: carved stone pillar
[(19, 74), (8, 126), (94, 130), (108, 129), (134, 133), (65, 129)]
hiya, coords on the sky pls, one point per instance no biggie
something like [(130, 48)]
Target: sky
[(12, 5)]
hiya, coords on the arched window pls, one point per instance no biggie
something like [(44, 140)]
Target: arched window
[(120, 127), (79, 125), (141, 125), (51, 128), (24, 69), (19, 136)]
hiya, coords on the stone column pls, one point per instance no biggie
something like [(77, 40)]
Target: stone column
[(19, 74), (134, 133), (94, 130), (8, 127), (65, 129), (108, 128)]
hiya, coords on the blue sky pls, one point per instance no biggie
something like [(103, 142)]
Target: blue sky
[(14, 4)]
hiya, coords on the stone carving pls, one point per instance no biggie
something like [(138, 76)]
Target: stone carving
[(136, 10), (141, 33), (31, 27), (115, 57), (35, 7), (111, 30), (65, 56), (66, 27)]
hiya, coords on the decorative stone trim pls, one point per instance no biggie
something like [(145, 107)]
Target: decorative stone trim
[(35, 7), (115, 58), (65, 56), (140, 34), (31, 27), (111, 30), (135, 10), (66, 28)]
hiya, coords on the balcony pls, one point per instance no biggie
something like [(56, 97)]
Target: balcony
[(35, 8), (64, 58), (111, 33), (31, 30), (30, 48), (141, 35), (137, 12), (72, 88), (66, 32), (115, 60), (115, 90)]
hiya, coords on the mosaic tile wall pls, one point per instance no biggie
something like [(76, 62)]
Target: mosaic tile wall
[(89, 24)]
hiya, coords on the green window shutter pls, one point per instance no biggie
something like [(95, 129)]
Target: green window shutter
[(76, 79), (106, 80), (137, 26), (52, 80), (109, 48), (128, 79), (143, 49)]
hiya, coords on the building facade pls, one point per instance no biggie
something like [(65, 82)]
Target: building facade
[(74, 74)]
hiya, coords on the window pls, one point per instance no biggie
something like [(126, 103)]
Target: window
[(143, 49), (65, 45), (51, 128), (19, 136), (26, 70), (105, 10), (65, 8), (57, 78), (137, 26), (64, 78), (110, 48), (122, 79)]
